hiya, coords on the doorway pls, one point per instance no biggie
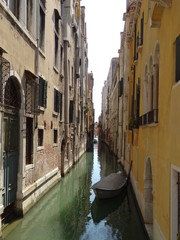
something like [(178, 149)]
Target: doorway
[(10, 144)]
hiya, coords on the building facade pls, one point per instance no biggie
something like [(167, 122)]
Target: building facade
[(153, 111), (90, 112), (43, 66), (105, 120), (149, 60)]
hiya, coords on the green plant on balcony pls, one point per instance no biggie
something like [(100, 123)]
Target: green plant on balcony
[(133, 123)]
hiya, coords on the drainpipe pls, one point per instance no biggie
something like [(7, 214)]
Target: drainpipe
[(133, 101), (37, 58), (37, 40), (66, 97)]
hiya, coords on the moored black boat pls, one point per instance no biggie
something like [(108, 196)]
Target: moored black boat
[(112, 185)]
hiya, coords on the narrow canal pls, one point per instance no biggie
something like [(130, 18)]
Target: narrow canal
[(70, 210)]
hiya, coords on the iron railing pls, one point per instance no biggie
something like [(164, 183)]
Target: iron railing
[(149, 117)]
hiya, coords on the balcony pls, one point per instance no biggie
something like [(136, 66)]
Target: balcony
[(149, 118)]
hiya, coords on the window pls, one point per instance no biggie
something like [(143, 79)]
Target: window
[(42, 92), (29, 140), (30, 15), (14, 7), (56, 36), (178, 58), (42, 25), (55, 136), (60, 105), (30, 96), (71, 110), (142, 28), (61, 59), (56, 100), (40, 137)]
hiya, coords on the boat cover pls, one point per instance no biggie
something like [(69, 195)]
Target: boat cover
[(111, 182)]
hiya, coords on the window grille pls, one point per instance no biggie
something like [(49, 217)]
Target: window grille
[(31, 96), (4, 74), (11, 96)]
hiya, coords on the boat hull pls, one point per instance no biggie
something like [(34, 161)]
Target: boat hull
[(105, 193)]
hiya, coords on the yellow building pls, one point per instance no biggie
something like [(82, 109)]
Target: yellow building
[(154, 95)]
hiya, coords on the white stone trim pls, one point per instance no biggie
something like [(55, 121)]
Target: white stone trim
[(31, 194)]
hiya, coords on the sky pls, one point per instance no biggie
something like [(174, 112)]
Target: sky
[(104, 20)]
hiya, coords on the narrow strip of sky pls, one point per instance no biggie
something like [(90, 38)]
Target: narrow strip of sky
[(104, 21)]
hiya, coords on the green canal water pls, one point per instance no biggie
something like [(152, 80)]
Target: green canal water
[(70, 210)]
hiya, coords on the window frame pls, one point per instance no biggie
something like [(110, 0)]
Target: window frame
[(42, 92), (55, 137), (40, 131)]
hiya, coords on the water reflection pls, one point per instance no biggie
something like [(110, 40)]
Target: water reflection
[(71, 211)]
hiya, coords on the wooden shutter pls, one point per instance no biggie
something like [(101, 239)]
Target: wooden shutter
[(178, 58), (71, 112), (60, 105), (44, 93), (40, 91), (56, 100)]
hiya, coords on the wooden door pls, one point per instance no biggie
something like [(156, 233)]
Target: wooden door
[(10, 158)]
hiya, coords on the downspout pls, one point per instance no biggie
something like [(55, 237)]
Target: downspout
[(133, 101), (37, 55), (66, 97)]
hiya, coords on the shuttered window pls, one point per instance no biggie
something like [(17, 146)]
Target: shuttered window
[(178, 58), (60, 105), (56, 100), (71, 109), (42, 92)]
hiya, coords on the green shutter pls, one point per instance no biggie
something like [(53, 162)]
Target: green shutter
[(60, 105), (55, 102), (45, 94), (40, 91), (71, 112)]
